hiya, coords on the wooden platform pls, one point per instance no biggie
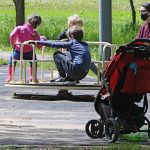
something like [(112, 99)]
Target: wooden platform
[(52, 85)]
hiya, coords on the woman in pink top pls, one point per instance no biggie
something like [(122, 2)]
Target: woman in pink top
[(145, 16), (19, 35)]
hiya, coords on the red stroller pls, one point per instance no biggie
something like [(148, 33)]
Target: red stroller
[(122, 100)]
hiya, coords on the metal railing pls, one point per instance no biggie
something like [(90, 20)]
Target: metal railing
[(22, 63)]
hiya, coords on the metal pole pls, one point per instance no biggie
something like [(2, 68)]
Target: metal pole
[(33, 65), (21, 62), (105, 24), (42, 63)]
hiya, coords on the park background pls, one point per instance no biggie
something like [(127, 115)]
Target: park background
[(55, 13)]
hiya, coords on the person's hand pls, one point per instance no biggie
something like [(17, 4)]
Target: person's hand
[(29, 42), (43, 38), (32, 42), (18, 43)]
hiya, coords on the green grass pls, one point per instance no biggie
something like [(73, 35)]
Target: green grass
[(3, 62), (55, 13), (125, 146)]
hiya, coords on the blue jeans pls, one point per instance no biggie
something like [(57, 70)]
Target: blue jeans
[(65, 66), (16, 55)]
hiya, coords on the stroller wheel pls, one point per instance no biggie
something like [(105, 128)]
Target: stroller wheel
[(94, 129), (112, 130), (148, 130)]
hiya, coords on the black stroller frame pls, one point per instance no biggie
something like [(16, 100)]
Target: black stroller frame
[(115, 118)]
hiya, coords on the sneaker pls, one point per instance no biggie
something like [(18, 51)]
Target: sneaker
[(60, 79), (77, 81), (68, 79), (9, 78), (36, 80)]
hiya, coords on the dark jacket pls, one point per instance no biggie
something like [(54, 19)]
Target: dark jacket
[(79, 52), (63, 35)]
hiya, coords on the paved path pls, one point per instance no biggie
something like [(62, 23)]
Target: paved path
[(31, 122)]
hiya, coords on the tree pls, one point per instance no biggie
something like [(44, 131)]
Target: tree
[(133, 13), (20, 11)]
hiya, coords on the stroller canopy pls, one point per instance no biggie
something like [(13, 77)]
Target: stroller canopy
[(129, 70)]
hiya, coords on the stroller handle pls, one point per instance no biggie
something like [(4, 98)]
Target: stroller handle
[(140, 41), (135, 43)]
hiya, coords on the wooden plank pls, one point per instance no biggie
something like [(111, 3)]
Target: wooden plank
[(79, 86)]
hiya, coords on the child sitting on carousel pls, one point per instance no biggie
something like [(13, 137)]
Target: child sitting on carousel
[(76, 66)]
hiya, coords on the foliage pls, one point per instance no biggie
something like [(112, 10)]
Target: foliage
[(56, 12), (3, 62)]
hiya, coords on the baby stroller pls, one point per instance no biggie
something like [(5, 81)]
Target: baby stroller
[(122, 100)]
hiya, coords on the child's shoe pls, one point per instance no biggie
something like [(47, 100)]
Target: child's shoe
[(59, 79), (9, 78), (36, 80)]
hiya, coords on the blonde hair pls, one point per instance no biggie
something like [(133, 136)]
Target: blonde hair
[(74, 20)]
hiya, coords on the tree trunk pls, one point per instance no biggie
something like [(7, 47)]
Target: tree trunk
[(20, 12), (133, 13)]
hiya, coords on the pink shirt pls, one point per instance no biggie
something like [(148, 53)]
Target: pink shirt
[(24, 33)]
